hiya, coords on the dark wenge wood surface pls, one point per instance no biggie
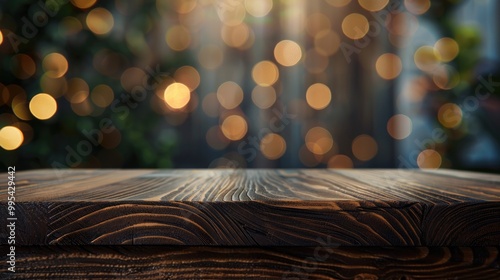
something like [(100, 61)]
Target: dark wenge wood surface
[(255, 207), (186, 262)]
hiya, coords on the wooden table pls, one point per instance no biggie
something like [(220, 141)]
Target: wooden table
[(247, 224)]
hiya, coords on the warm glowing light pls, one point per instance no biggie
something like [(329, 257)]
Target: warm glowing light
[(184, 6), (43, 106), (263, 97), (338, 3), (1, 37), (258, 8), (70, 25), (426, 58), (273, 146), (307, 158), (231, 13), (318, 96), (83, 4), (340, 161), (318, 140), (265, 73), (21, 110), (399, 126), (132, 77), (355, 26), (210, 57), (102, 96), (429, 159), (100, 21), (450, 115), (11, 137), (417, 7), (364, 147), (373, 5), (234, 127), (83, 108), (229, 95), (327, 42), (287, 53), (55, 86), (388, 66), (445, 77), (447, 48), (316, 23), (23, 66), (177, 95), (178, 38), (189, 76), (78, 90), (236, 36), (55, 65)]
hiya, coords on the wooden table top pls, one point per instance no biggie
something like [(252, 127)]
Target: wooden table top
[(256, 207)]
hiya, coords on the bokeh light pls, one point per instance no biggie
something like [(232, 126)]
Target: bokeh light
[(11, 137), (318, 140), (234, 127), (272, 146), (317, 22), (429, 159), (338, 3), (102, 95), (263, 97), (177, 95), (364, 147), (287, 53), (447, 49), (1, 37), (258, 8), (318, 96), (327, 42), (340, 161), (78, 90), (445, 77), (100, 21), (43, 106), (236, 36), (265, 73), (231, 13), (229, 95), (355, 26), (373, 5), (216, 139), (83, 4), (55, 65), (450, 115), (178, 38), (388, 66), (399, 126), (23, 66), (426, 58), (417, 7), (189, 76)]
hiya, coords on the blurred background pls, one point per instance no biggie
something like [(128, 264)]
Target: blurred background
[(250, 83)]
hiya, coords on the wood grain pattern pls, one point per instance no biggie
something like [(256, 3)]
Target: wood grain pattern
[(163, 262), (257, 207)]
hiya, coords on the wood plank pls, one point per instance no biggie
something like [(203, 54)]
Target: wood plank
[(256, 207), (322, 262)]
